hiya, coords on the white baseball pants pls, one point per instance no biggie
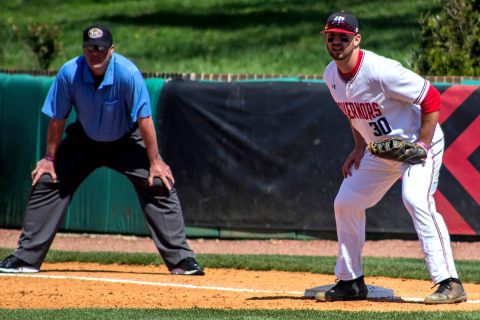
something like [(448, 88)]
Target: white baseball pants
[(367, 185)]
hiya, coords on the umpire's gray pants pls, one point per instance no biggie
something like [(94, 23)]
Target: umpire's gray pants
[(77, 157)]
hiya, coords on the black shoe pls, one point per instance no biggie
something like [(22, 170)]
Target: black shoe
[(449, 291), (189, 267), (12, 264), (355, 289)]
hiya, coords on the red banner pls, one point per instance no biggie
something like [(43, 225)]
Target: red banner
[(460, 120)]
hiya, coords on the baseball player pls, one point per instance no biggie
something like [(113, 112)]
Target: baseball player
[(114, 129), (382, 99)]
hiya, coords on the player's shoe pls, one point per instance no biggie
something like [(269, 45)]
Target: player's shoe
[(189, 267), (449, 291), (12, 264), (355, 289)]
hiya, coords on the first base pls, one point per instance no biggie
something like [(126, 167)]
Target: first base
[(374, 292)]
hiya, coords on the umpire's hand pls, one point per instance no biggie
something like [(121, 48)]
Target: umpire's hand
[(160, 169), (44, 166)]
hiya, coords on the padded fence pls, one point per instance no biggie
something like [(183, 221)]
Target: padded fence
[(248, 157), (104, 203)]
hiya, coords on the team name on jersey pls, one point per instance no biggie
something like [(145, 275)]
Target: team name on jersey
[(360, 110)]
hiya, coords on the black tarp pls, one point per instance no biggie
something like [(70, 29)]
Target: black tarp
[(261, 155)]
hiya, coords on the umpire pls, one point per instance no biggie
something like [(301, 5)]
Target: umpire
[(114, 128)]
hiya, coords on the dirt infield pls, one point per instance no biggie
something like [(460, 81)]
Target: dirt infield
[(87, 285)]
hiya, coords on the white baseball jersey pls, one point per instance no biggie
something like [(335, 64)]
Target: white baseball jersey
[(382, 99)]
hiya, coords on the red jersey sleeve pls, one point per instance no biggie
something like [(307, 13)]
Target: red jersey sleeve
[(431, 103)]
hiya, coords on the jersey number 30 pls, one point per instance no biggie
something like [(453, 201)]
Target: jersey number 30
[(380, 127)]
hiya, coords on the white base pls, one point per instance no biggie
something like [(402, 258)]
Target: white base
[(374, 292)]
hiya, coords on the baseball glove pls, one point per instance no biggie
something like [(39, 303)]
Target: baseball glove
[(395, 148)]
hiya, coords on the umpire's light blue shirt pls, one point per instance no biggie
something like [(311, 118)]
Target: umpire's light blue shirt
[(106, 113)]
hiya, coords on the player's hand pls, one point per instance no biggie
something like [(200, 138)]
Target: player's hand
[(44, 166), (160, 169), (353, 159)]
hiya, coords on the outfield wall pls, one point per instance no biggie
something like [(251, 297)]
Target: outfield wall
[(250, 158)]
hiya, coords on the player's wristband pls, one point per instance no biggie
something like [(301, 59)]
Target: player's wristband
[(424, 145), (48, 158)]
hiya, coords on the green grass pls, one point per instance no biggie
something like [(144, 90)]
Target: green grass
[(210, 314), (213, 36), (373, 266)]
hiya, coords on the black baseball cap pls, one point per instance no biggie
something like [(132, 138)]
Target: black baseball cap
[(97, 35), (342, 22)]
